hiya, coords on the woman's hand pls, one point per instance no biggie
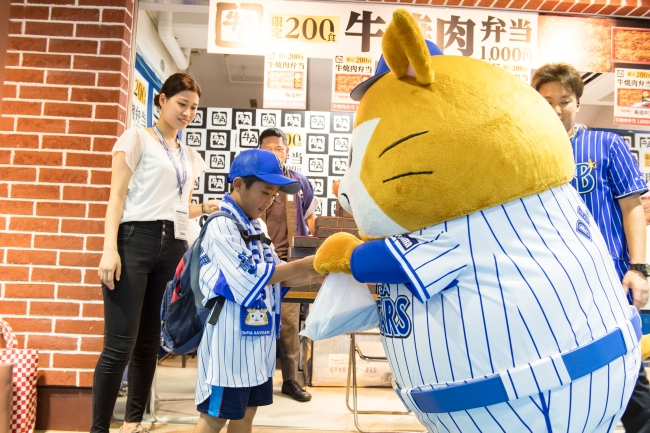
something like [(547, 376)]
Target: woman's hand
[(211, 206), (110, 268)]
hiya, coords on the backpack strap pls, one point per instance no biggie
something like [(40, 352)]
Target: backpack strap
[(195, 265)]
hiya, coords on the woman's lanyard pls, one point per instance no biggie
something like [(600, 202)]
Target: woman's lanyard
[(181, 182)]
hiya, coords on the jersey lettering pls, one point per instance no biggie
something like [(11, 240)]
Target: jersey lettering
[(394, 320), (585, 180), (582, 226)]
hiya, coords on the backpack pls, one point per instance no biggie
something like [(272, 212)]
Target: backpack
[(182, 313)]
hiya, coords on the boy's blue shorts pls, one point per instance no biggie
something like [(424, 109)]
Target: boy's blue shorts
[(231, 403)]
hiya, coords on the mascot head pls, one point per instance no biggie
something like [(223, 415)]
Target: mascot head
[(438, 137)]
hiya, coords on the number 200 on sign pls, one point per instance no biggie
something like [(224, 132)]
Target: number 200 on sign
[(305, 28)]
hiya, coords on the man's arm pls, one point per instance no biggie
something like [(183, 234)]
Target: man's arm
[(311, 223), (634, 227)]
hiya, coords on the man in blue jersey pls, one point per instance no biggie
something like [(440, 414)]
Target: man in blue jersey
[(608, 179)]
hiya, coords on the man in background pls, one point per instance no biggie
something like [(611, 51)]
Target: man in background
[(289, 216), (608, 179)]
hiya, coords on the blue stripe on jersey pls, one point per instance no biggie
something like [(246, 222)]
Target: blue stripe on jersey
[(522, 277), (546, 275), (606, 398), (480, 297), (606, 171), (495, 420), (596, 267), (505, 313)]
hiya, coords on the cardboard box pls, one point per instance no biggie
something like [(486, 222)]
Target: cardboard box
[(329, 362)]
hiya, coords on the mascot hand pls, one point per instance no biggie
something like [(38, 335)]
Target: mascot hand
[(645, 347), (335, 253)]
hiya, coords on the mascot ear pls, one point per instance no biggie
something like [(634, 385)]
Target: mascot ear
[(403, 46)]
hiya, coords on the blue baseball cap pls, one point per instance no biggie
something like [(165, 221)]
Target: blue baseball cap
[(382, 69), (265, 166)]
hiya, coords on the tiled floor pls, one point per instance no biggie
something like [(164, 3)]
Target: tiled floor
[(326, 410)]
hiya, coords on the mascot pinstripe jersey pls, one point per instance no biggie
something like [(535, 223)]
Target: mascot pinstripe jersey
[(504, 289), (500, 307)]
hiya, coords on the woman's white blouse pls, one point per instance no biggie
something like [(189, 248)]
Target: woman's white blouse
[(153, 188)]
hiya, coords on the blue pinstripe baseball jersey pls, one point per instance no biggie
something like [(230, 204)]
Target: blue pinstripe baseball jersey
[(505, 290), (232, 268), (605, 172)]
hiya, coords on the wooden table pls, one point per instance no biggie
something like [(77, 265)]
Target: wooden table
[(307, 294)]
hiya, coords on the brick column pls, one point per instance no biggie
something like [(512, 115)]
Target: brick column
[(63, 106)]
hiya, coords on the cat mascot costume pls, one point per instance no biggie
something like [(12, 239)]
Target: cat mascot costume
[(500, 308)]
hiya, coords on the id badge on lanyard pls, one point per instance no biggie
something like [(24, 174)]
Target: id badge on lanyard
[(181, 220), (181, 210)]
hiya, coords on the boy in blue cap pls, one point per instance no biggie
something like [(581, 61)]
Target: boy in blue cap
[(236, 357)]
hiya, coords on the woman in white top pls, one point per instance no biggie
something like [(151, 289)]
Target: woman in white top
[(146, 222)]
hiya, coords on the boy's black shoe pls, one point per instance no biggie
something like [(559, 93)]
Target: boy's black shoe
[(293, 389)]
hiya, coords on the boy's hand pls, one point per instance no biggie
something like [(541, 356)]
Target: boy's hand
[(307, 264)]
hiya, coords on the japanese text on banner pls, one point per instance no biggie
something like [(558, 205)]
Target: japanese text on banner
[(349, 72), (632, 104), (504, 38), (285, 81)]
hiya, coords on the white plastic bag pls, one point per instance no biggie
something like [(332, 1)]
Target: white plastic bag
[(343, 305)]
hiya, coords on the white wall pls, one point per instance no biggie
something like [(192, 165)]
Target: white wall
[(216, 91), (152, 48), (602, 116)]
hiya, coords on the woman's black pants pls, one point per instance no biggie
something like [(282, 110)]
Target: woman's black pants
[(149, 254)]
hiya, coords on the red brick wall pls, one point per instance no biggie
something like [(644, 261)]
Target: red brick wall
[(64, 104)]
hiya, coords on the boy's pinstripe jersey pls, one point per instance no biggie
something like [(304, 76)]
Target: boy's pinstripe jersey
[(605, 172), (500, 289), (227, 358)]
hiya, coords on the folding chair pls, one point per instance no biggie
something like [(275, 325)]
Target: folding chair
[(352, 373), (155, 397)]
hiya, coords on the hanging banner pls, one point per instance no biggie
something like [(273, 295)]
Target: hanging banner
[(146, 85), (326, 30), (348, 72), (285, 81), (632, 104), (139, 98)]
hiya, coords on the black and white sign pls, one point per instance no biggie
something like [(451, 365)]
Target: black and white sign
[(249, 138), (319, 184), (199, 119), (243, 118), (293, 119), (216, 183), (317, 143), (269, 119), (219, 118), (218, 161), (341, 122), (194, 138), (219, 139), (338, 165)]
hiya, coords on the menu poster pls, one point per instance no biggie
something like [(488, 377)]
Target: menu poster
[(632, 100), (139, 101), (285, 81), (348, 72), (146, 85), (507, 39)]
